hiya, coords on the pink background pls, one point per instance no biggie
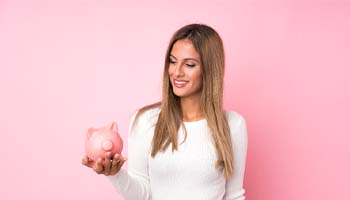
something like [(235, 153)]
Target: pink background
[(68, 65)]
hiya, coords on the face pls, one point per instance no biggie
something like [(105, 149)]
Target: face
[(185, 69)]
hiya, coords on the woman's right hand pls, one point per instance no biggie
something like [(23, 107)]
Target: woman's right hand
[(109, 165)]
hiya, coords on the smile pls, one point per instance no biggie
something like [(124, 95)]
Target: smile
[(180, 84)]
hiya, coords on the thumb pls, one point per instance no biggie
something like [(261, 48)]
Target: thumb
[(87, 161)]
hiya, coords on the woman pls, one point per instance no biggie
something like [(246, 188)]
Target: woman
[(186, 146)]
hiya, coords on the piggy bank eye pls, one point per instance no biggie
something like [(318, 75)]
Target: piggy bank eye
[(93, 134)]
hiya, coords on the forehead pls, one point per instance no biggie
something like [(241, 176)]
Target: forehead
[(184, 49)]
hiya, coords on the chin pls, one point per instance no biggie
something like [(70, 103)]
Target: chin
[(183, 94), (180, 95)]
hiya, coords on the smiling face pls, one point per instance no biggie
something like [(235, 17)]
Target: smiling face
[(185, 69)]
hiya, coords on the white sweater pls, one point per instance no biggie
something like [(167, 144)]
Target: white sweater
[(188, 173)]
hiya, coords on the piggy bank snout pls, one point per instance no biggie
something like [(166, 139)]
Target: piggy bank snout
[(107, 145)]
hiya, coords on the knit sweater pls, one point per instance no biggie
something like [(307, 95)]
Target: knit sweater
[(188, 173)]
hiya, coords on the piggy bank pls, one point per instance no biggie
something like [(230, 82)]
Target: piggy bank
[(101, 140)]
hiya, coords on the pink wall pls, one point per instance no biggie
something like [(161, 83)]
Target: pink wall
[(68, 65)]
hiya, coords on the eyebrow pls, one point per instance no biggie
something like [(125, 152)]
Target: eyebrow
[(186, 58)]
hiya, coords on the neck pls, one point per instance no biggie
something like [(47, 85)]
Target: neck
[(191, 108)]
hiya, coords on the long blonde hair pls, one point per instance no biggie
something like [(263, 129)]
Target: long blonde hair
[(208, 44)]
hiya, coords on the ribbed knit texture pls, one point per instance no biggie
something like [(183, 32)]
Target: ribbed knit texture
[(188, 173)]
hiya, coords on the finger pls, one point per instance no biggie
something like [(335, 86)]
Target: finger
[(87, 161), (107, 164), (98, 167), (117, 163), (122, 158), (120, 164), (125, 159), (109, 155), (114, 167)]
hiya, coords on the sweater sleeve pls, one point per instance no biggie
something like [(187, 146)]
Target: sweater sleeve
[(134, 183), (234, 185)]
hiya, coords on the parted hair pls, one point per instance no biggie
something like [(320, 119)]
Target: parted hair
[(209, 46)]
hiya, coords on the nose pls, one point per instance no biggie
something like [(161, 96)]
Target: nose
[(179, 71)]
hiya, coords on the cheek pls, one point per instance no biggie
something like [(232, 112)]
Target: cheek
[(196, 76), (170, 70)]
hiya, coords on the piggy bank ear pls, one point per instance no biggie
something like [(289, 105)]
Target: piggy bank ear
[(90, 132), (114, 127)]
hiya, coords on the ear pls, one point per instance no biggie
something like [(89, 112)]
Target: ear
[(114, 127), (90, 132)]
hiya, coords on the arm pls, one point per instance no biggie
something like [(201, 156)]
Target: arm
[(234, 185), (134, 183)]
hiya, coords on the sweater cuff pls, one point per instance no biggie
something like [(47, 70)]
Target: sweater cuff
[(120, 180)]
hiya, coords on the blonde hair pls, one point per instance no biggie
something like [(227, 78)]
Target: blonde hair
[(208, 44)]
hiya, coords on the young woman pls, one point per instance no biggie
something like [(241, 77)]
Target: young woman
[(186, 146)]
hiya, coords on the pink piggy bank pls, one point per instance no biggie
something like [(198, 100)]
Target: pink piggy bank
[(101, 140)]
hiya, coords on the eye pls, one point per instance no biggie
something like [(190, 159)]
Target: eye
[(190, 65), (171, 61)]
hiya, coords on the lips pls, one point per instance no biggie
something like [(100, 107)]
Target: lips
[(180, 83)]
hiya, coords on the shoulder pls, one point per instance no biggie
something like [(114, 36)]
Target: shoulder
[(148, 117), (234, 118), (237, 124)]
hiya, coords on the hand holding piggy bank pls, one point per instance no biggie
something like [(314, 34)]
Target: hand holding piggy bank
[(102, 140)]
